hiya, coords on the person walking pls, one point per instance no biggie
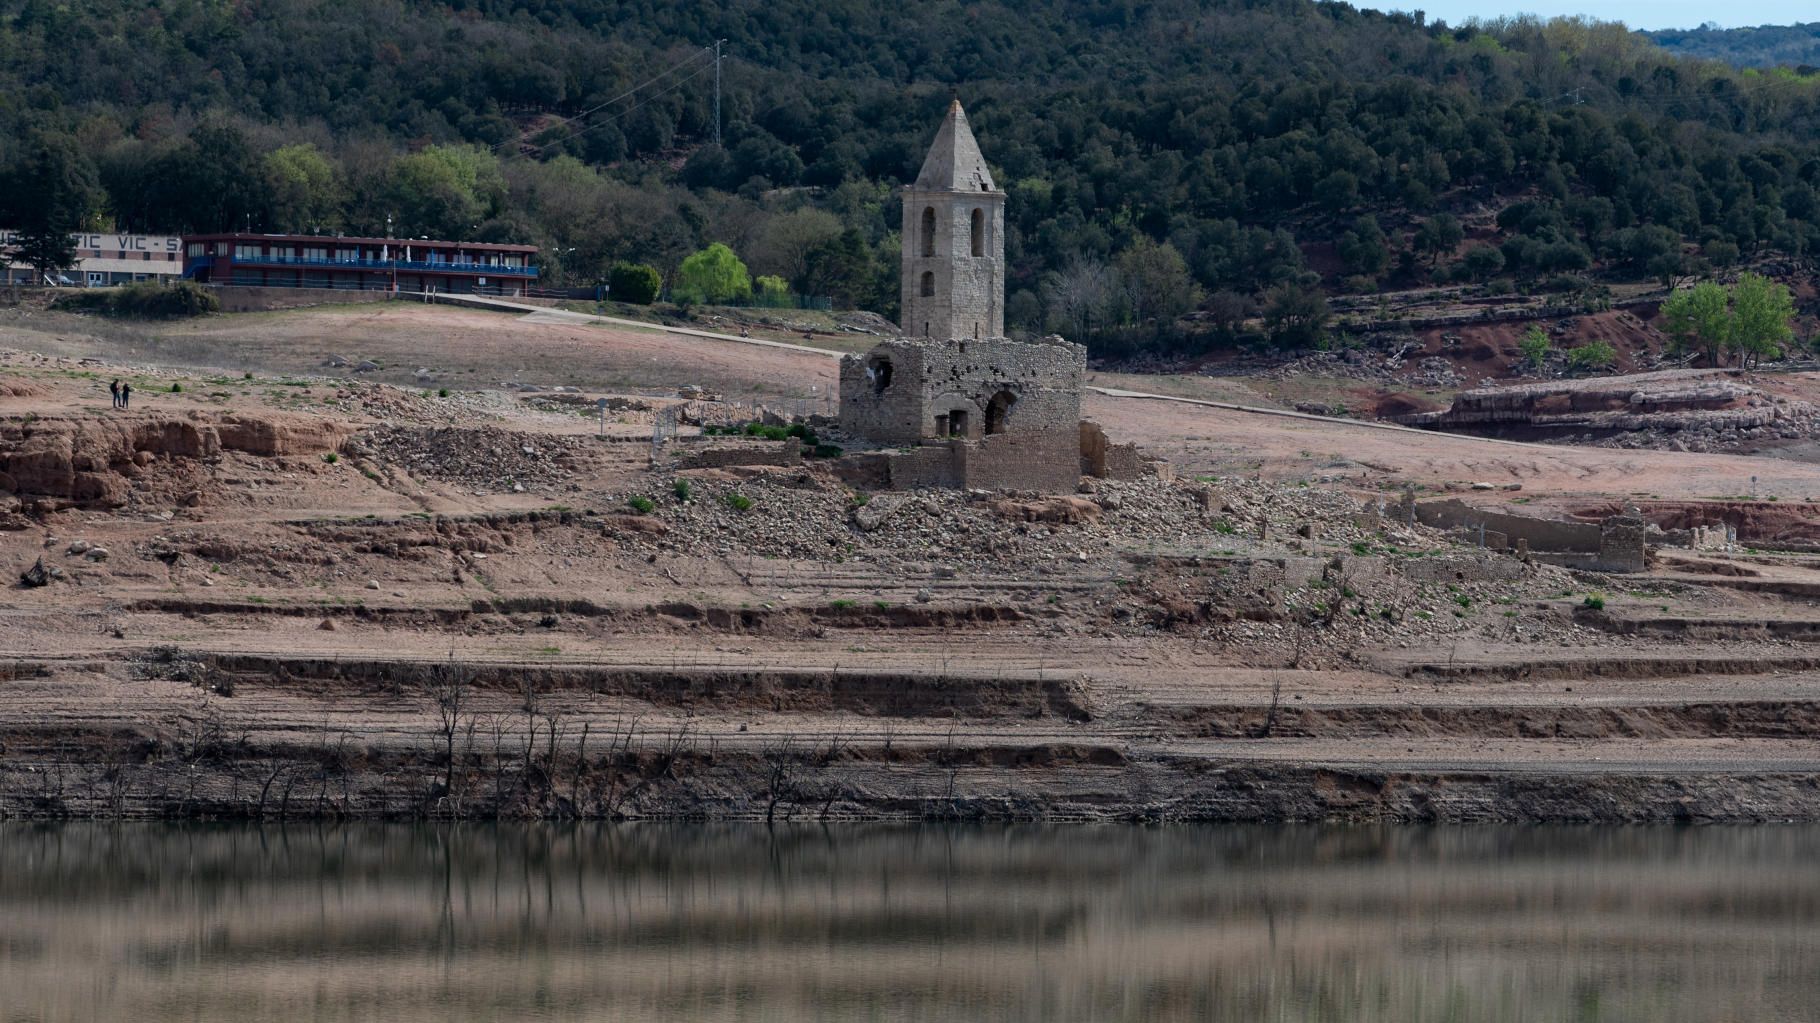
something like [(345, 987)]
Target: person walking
[(114, 389), (126, 395)]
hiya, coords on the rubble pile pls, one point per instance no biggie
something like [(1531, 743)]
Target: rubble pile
[(810, 515), (485, 458)]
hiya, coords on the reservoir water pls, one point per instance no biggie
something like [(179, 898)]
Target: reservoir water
[(154, 923)]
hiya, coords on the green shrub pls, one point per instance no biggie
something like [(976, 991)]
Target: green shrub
[(827, 451), (1535, 346), (763, 432), (640, 504), (144, 300), (681, 489), (634, 283), (1592, 355), (331, 458), (1593, 602), (176, 388), (442, 392), (771, 293), (739, 502)]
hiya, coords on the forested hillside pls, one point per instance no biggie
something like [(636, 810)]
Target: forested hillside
[(1160, 156), (1794, 46)]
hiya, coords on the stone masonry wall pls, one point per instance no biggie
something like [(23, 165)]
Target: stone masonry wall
[(928, 379), (969, 290), (1048, 463), (885, 410), (1542, 534), (1623, 544)]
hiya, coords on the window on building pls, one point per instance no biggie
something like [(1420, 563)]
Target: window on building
[(929, 231), (221, 248), (196, 248), (979, 232), (319, 253), (247, 252), (928, 284), (285, 251)]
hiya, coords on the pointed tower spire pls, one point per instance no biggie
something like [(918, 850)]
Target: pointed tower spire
[(954, 163), (954, 241)]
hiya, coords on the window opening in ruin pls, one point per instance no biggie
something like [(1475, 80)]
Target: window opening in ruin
[(998, 410), (979, 232), (928, 284), (925, 328), (941, 426), (976, 328), (957, 423), (879, 372), (928, 230)]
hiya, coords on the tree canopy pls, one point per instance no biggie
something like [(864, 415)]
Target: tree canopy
[(1282, 150)]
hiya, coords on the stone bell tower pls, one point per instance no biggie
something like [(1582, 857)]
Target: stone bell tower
[(954, 241)]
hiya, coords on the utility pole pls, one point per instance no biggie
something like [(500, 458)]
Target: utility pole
[(717, 43)]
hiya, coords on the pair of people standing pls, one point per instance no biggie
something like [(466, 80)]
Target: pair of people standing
[(122, 392)]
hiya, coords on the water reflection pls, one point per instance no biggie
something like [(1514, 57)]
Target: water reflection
[(152, 923)]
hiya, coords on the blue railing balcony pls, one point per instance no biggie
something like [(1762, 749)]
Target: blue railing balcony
[(384, 264)]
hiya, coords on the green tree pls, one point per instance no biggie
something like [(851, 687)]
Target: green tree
[(1296, 316), (212, 182), (845, 270), (789, 243), (712, 275), (1438, 236), (1483, 262), (1698, 318), (443, 191), (1362, 248), (1535, 347), (1156, 281), (772, 292), (1656, 251), (1762, 313), (303, 188), (634, 282), (52, 192)]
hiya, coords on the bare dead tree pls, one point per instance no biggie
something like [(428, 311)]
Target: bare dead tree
[(1270, 716), (448, 686), (782, 762)]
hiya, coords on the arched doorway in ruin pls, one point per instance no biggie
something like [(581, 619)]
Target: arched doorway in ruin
[(998, 410)]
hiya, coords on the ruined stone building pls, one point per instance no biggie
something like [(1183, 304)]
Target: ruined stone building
[(967, 406)]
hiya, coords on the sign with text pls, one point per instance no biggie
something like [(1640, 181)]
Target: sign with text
[(103, 245)]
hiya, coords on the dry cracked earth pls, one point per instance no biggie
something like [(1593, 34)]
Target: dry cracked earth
[(285, 589)]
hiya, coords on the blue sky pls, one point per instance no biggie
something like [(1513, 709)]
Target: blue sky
[(1635, 13)]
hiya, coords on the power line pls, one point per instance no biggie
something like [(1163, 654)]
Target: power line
[(672, 69), (626, 112)]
